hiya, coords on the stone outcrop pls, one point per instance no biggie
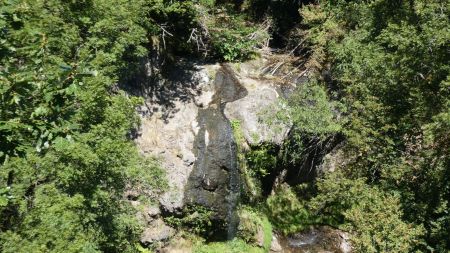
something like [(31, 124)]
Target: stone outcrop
[(318, 239), (168, 132), (186, 124), (157, 231), (275, 245), (213, 181), (260, 103), (173, 132), (333, 160)]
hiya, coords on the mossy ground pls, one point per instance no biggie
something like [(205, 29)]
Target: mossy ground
[(252, 220), (234, 246)]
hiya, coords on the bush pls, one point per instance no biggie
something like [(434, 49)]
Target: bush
[(261, 160), (252, 225), (233, 38), (371, 215), (195, 218), (66, 155), (287, 213)]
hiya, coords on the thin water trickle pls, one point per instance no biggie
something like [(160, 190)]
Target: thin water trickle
[(229, 89), (215, 178), (234, 186)]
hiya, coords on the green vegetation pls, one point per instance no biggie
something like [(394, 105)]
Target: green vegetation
[(372, 215), (287, 212), (66, 155), (255, 163), (234, 246), (254, 235), (65, 130), (233, 38), (251, 187), (254, 227), (195, 218), (386, 63), (262, 160), (378, 83)]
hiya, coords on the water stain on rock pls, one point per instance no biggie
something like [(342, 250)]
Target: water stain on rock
[(214, 181)]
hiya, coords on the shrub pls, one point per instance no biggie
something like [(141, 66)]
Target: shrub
[(287, 212), (233, 37), (371, 215), (253, 224), (195, 218), (261, 160)]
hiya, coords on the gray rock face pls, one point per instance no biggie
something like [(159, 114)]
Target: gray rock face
[(156, 231), (260, 237), (172, 143), (320, 239), (214, 181), (275, 245), (146, 214), (168, 131), (333, 160), (261, 102), (151, 213), (186, 123)]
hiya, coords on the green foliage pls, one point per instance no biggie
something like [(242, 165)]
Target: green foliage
[(237, 131), (261, 160), (287, 212), (66, 154), (47, 57), (252, 223), (152, 181), (372, 216), (255, 162), (311, 111), (233, 37), (234, 246), (388, 62), (231, 43), (170, 23), (251, 187), (314, 119), (56, 223), (195, 218)]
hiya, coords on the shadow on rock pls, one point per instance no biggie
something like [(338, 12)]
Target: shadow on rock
[(162, 86)]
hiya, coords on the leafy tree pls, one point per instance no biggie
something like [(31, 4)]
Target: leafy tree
[(387, 63), (65, 148), (372, 216)]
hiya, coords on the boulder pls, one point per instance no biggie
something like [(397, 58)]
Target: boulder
[(178, 245), (333, 160), (318, 239), (259, 237), (146, 214), (156, 231), (275, 245), (151, 212), (256, 108)]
